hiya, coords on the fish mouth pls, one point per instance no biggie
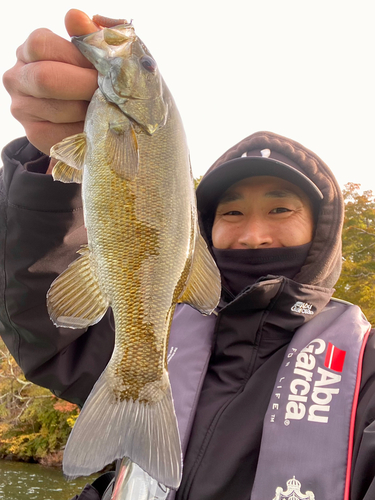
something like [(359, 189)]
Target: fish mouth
[(94, 54), (101, 46), (104, 49)]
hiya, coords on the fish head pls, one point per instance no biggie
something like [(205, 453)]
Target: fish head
[(128, 74)]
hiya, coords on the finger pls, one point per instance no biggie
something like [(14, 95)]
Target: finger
[(78, 23), (29, 109), (107, 22), (44, 135), (44, 45), (44, 80)]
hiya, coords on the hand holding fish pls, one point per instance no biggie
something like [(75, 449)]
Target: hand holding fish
[(52, 83)]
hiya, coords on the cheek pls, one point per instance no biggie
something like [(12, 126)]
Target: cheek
[(221, 235), (298, 232), (307, 227)]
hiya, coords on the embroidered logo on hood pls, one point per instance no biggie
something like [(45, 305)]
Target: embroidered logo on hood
[(302, 308)]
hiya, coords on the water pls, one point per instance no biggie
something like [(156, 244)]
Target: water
[(21, 481)]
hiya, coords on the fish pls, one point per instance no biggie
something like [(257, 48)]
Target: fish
[(144, 255)]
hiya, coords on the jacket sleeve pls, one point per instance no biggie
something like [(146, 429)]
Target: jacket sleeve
[(41, 229), (363, 465)]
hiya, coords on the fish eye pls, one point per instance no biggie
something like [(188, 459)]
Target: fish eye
[(149, 64)]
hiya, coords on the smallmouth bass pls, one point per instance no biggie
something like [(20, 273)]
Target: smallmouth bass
[(144, 255)]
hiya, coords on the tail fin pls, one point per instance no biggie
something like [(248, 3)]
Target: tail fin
[(105, 430)]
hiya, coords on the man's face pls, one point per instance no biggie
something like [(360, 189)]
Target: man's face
[(263, 212)]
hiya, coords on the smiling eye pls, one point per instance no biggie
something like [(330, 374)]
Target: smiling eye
[(280, 210), (149, 64), (233, 212)]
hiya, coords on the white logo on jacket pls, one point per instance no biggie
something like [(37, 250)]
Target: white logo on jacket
[(302, 387), (293, 491), (302, 308)]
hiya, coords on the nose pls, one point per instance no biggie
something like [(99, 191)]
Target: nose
[(255, 234)]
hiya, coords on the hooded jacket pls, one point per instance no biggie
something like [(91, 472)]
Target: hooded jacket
[(41, 229)]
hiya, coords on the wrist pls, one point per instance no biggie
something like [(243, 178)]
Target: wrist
[(52, 162)]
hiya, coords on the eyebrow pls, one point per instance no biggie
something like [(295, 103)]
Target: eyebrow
[(281, 193), (230, 196), (276, 193)]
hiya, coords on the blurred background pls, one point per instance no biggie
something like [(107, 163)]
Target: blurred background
[(299, 68)]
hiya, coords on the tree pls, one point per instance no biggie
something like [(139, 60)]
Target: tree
[(34, 424), (357, 281), (197, 181)]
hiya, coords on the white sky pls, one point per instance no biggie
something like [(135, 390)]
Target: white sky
[(303, 69)]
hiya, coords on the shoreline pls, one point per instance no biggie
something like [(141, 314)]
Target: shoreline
[(53, 459)]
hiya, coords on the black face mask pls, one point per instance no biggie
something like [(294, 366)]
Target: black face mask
[(241, 268)]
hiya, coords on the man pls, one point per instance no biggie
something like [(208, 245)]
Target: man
[(266, 389)]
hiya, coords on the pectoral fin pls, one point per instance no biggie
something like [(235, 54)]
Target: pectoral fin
[(203, 286), (74, 299), (122, 149)]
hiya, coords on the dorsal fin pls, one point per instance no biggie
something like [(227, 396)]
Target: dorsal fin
[(203, 286)]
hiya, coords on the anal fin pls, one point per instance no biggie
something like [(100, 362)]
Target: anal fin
[(74, 299), (203, 287)]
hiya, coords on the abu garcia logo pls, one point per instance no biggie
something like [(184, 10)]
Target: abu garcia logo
[(313, 398), (302, 308)]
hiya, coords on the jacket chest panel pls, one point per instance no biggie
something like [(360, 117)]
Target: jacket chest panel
[(244, 340)]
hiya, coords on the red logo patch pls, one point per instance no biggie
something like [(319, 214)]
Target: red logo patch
[(335, 358)]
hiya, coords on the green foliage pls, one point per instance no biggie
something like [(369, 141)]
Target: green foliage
[(197, 181), (33, 422), (357, 281)]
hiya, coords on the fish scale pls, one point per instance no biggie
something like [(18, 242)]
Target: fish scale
[(144, 254)]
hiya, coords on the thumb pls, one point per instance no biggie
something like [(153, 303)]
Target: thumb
[(78, 23)]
